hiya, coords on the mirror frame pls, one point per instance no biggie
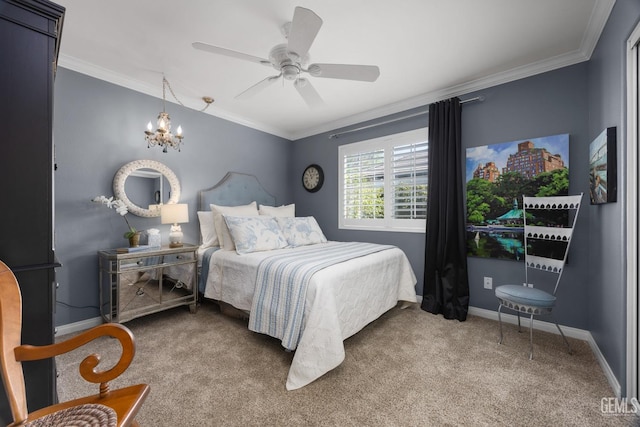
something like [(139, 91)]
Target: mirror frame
[(125, 171)]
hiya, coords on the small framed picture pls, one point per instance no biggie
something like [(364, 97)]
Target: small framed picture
[(603, 177)]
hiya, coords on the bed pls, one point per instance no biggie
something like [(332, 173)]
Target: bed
[(295, 285)]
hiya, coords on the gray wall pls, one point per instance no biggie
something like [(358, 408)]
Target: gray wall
[(607, 287), (98, 127), (323, 204), (581, 100), (548, 104)]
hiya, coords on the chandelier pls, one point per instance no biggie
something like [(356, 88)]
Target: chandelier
[(162, 136)]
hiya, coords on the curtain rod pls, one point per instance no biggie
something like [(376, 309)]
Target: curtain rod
[(420, 113)]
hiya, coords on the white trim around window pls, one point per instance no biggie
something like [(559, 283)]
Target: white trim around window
[(393, 165)]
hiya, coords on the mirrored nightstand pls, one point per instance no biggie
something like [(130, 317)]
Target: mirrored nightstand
[(139, 283)]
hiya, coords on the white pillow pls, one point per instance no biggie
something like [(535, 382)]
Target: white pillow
[(224, 238), (255, 233), (208, 235), (281, 211), (301, 231)]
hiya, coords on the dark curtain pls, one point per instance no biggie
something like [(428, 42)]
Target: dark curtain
[(446, 283)]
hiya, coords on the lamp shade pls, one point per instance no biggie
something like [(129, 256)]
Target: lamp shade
[(174, 213)]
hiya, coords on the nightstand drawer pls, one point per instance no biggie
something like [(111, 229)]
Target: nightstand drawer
[(178, 258), (140, 262)]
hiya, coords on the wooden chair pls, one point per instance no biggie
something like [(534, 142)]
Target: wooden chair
[(116, 407)]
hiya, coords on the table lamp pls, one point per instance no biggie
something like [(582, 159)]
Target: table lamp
[(175, 214)]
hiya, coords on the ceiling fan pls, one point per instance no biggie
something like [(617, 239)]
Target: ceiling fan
[(291, 59)]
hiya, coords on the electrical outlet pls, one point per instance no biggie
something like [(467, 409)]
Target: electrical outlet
[(530, 285), (488, 282)]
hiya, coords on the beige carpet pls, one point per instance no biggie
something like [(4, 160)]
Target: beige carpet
[(408, 368)]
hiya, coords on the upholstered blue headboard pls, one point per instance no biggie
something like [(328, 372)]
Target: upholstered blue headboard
[(235, 189)]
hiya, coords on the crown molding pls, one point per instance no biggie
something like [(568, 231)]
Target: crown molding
[(458, 90), (597, 22), (91, 70), (407, 104)]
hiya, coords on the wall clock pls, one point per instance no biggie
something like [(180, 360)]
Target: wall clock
[(312, 178)]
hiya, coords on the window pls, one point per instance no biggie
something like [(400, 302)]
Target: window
[(384, 183)]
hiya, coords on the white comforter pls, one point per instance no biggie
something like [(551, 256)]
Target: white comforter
[(340, 301)]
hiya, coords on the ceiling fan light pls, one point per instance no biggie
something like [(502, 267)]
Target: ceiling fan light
[(300, 83), (290, 71)]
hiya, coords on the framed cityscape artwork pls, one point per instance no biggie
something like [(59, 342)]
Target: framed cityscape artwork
[(497, 177), (603, 168)]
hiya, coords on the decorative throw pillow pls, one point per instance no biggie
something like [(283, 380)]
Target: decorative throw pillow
[(224, 238), (301, 231), (208, 236), (255, 233), (278, 211)]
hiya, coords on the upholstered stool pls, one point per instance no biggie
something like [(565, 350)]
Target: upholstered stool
[(513, 296)]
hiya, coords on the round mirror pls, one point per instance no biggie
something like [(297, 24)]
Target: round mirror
[(143, 183)]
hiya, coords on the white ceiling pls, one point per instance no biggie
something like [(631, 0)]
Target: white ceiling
[(427, 50)]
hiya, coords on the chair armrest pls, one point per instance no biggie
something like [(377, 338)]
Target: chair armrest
[(89, 364)]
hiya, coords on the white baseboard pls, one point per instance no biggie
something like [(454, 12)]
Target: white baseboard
[(70, 328), (613, 381), (580, 334), (539, 325)]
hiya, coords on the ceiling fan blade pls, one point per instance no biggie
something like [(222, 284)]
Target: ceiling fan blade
[(304, 28), (365, 73), (308, 93), (258, 87), (228, 52)]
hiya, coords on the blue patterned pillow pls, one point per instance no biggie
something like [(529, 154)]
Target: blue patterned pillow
[(301, 231), (255, 233)]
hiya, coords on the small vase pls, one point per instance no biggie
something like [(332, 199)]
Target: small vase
[(134, 240)]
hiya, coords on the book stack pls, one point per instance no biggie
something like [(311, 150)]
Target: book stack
[(139, 248)]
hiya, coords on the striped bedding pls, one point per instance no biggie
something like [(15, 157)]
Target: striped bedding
[(281, 286), (338, 300)]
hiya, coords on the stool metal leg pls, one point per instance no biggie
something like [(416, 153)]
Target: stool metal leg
[(564, 339), (500, 322), (531, 339), (519, 328)]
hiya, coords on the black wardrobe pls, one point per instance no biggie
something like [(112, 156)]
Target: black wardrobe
[(29, 41)]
